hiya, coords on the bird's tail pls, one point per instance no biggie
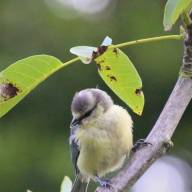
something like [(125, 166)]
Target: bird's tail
[(79, 186)]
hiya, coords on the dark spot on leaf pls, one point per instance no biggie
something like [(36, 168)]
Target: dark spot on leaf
[(99, 66), (102, 61), (8, 90), (112, 78), (115, 50), (94, 55), (100, 51), (107, 68), (138, 91)]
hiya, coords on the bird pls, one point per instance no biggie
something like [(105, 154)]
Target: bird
[(100, 137)]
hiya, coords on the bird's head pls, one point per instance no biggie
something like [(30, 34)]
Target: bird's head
[(89, 104)]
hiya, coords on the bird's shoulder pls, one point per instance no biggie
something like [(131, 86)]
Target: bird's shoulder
[(116, 113)]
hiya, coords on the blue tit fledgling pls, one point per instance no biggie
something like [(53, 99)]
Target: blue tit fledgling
[(101, 137)]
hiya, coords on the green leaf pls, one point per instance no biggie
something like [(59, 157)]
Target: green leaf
[(23, 76), (66, 185), (173, 9), (120, 75)]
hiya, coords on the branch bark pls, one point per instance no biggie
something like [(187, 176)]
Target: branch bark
[(161, 133)]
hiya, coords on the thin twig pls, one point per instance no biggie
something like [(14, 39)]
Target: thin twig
[(160, 136), (148, 40)]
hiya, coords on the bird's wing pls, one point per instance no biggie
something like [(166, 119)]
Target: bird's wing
[(78, 185), (74, 148)]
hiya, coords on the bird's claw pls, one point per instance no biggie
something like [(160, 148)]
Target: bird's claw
[(104, 182), (140, 144)]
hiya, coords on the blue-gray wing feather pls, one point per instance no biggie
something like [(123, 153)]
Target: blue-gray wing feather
[(78, 185), (74, 148)]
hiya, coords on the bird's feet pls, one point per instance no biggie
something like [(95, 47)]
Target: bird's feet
[(139, 144), (103, 182)]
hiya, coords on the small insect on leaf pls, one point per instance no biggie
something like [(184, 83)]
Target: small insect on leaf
[(66, 185), (118, 72), (87, 53)]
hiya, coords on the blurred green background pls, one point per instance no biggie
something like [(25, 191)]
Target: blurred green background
[(34, 150)]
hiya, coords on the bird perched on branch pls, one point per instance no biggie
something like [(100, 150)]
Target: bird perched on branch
[(101, 137)]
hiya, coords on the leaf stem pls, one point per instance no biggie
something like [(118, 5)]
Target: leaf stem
[(70, 61), (148, 40), (135, 42), (63, 65)]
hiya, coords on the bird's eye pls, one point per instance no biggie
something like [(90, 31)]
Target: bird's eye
[(87, 114), (76, 122)]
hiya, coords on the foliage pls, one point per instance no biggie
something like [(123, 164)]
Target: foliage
[(22, 77), (174, 9), (118, 72), (115, 68)]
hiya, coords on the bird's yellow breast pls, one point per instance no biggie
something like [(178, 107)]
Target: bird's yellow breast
[(104, 142)]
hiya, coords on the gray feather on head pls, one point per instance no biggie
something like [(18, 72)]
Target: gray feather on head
[(87, 99)]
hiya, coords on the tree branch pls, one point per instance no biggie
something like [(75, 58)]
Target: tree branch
[(160, 135)]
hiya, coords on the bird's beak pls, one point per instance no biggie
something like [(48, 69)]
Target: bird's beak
[(75, 122)]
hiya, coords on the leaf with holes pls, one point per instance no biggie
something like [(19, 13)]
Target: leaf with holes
[(120, 75), (66, 185), (23, 76), (173, 9)]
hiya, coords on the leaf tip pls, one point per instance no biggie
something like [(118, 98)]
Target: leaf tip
[(66, 185), (140, 113), (138, 110)]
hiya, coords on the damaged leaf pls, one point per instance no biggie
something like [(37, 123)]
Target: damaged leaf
[(118, 72), (7, 91), (22, 77)]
